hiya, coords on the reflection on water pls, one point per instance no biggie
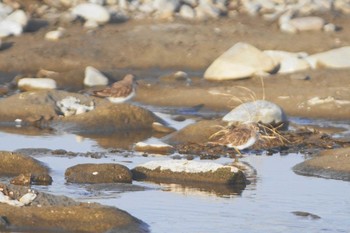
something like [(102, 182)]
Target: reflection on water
[(265, 205)]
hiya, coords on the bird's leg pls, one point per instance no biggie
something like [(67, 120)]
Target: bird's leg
[(236, 157)]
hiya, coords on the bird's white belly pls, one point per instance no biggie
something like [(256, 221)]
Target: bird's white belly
[(118, 100), (249, 143)]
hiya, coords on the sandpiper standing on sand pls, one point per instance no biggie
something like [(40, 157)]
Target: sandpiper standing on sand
[(120, 91)]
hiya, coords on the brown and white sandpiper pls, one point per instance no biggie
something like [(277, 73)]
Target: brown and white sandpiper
[(120, 91), (239, 137)]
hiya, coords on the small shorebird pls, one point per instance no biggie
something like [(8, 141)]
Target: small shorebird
[(120, 91), (239, 138)]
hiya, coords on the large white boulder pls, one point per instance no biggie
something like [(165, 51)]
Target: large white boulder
[(257, 111), (92, 12), (93, 77), (335, 58), (288, 62), (240, 61)]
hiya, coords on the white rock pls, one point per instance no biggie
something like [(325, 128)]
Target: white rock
[(335, 58), (37, 83), (166, 8), (310, 23), (185, 166), (288, 62), (240, 61), (6, 199), (9, 28), (93, 77), (94, 12), (18, 16), (91, 24), (257, 111), (154, 145), (187, 12), (288, 28), (329, 27), (5, 10), (71, 105), (27, 198), (55, 35), (209, 9)]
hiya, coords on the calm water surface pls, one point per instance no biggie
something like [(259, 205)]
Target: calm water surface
[(264, 206)]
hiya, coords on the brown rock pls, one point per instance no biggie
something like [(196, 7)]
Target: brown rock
[(49, 213), (199, 132), (16, 163), (331, 164), (98, 173), (223, 175)]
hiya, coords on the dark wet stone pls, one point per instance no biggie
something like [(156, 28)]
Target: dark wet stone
[(306, 215), (32, 179), (98, 173), (15, 163)]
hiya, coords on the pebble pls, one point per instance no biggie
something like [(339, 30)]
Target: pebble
[(288, 62), (310, 23), (36, 83), (92, 12), (55, 35), (94, 77)]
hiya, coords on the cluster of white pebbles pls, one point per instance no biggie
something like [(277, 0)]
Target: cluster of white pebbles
[(291, 15)]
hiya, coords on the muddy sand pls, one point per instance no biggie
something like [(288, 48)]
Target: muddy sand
[(151, 49)]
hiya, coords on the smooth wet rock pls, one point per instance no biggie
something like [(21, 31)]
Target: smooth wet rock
[(335, 58), (306, 215), (288, 62), (184, 171), (94, 77), (258, 111), (329, 164), (154, 146), (40, 108), (29, 84), (32, 179), (13, 164), (198, 132), (240, 61), (93, 12), (50, 213), (98, 173)]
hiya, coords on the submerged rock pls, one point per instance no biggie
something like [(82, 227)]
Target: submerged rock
[(98, 173), (184, 171)]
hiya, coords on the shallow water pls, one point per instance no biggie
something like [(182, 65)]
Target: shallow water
[(264, 206)]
